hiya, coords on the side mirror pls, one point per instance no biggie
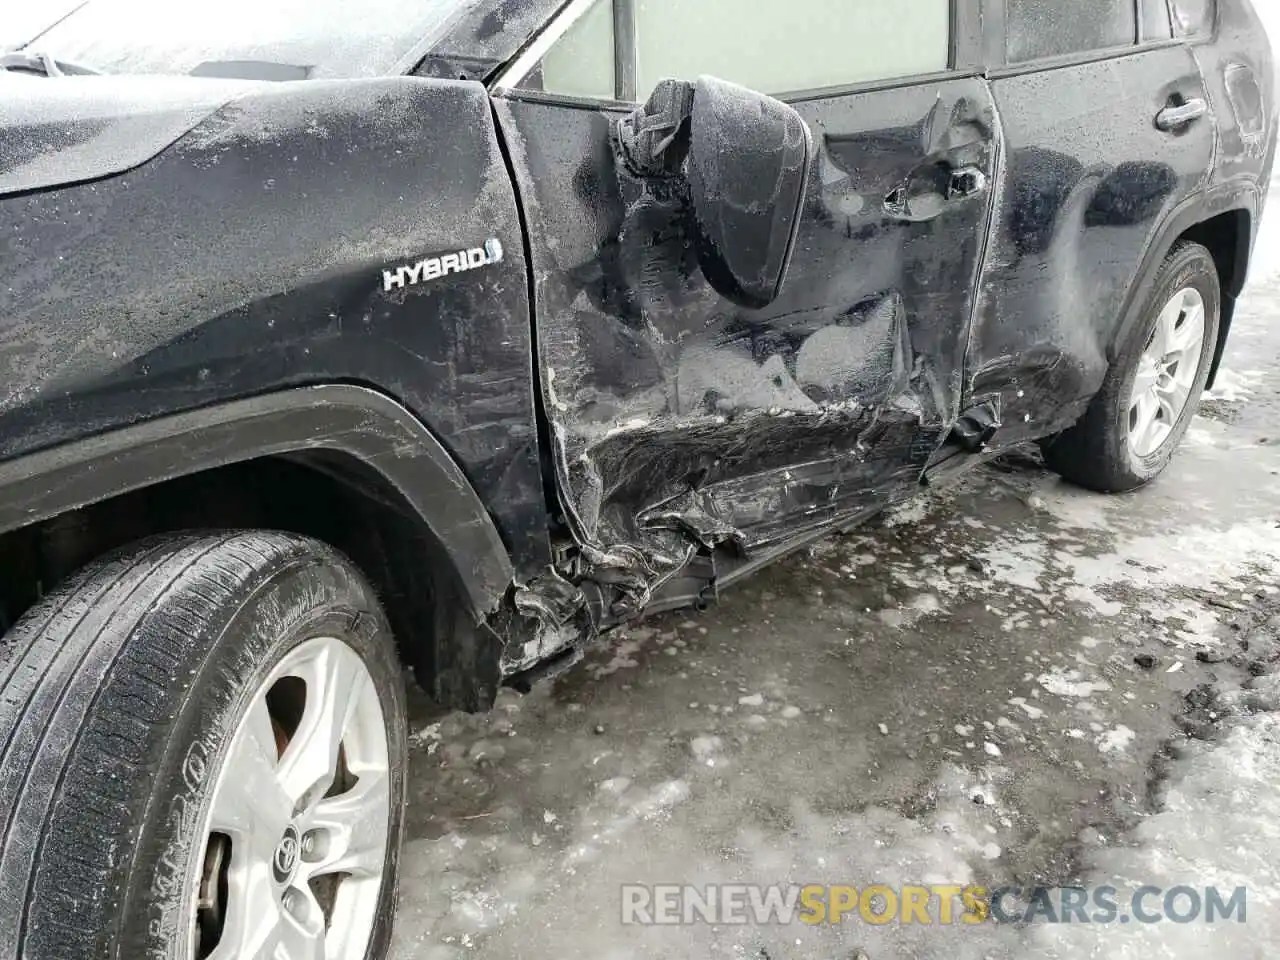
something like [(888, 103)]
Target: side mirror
[(745, 160)]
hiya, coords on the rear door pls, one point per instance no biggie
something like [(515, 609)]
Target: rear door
[(1094, 167), (682, 423)]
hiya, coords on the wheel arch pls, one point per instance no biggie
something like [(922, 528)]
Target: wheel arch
[(345, 464), (1224, 220), (1229, 237)]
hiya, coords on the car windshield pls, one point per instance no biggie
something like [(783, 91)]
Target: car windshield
[(257, 39)]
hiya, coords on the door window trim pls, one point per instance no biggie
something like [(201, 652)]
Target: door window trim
[(968, 51), (626, 52), (514, 73)]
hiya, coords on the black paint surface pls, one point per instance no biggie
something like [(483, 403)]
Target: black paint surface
[(970, 250)]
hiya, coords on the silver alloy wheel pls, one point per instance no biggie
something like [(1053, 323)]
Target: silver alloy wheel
[(1167, 372), (305, 812)]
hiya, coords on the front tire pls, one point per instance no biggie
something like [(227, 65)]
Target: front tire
[(202, 757), (1152, 390)]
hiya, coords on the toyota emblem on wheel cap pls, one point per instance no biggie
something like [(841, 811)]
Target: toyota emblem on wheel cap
[(286, 857)]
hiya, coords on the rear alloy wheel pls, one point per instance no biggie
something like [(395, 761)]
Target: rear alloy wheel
[(1167, 372), (1152, 390), (202, 756)]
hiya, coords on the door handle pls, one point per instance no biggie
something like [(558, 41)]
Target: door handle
[(965, 182), (1173, 117), (926, 194)]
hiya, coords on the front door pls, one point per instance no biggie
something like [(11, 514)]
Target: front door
[(686, 426)]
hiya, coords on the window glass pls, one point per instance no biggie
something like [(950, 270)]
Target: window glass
[(1192, 17), (780, 46), (1155, 20), (582, 63), (1050, 28), (772, 46)]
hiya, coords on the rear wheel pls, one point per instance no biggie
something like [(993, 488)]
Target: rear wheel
[(1150, 395), (202, 754)]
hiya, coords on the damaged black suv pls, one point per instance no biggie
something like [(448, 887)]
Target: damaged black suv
[(341, 337)]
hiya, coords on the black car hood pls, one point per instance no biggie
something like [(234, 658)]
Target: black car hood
[(63, 130)]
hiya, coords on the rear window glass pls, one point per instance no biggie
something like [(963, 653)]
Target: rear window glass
[(1052, 28), (1155, 20), (1191, 17)]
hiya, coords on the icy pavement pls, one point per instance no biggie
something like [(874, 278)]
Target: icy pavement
[(1009, 682), (1218, 823)]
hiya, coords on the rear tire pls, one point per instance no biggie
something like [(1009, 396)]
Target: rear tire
[(130, 699), (1116, 446)]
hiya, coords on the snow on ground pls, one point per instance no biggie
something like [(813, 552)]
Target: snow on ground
[(1219, 824), (980, 690)]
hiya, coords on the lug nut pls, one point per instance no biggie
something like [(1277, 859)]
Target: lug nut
[(298, 906), (315, 845)]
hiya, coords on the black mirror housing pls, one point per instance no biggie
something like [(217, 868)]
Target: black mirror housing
[(745, 159), (748, 168)]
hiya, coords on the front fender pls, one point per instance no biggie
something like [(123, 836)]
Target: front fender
[(353, 420), (251, 256)]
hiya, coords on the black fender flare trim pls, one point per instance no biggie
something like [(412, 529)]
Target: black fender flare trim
[(1224, 198), (358, 421)]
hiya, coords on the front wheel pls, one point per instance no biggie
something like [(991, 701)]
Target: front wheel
[(1150, 394), (202, 757)]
